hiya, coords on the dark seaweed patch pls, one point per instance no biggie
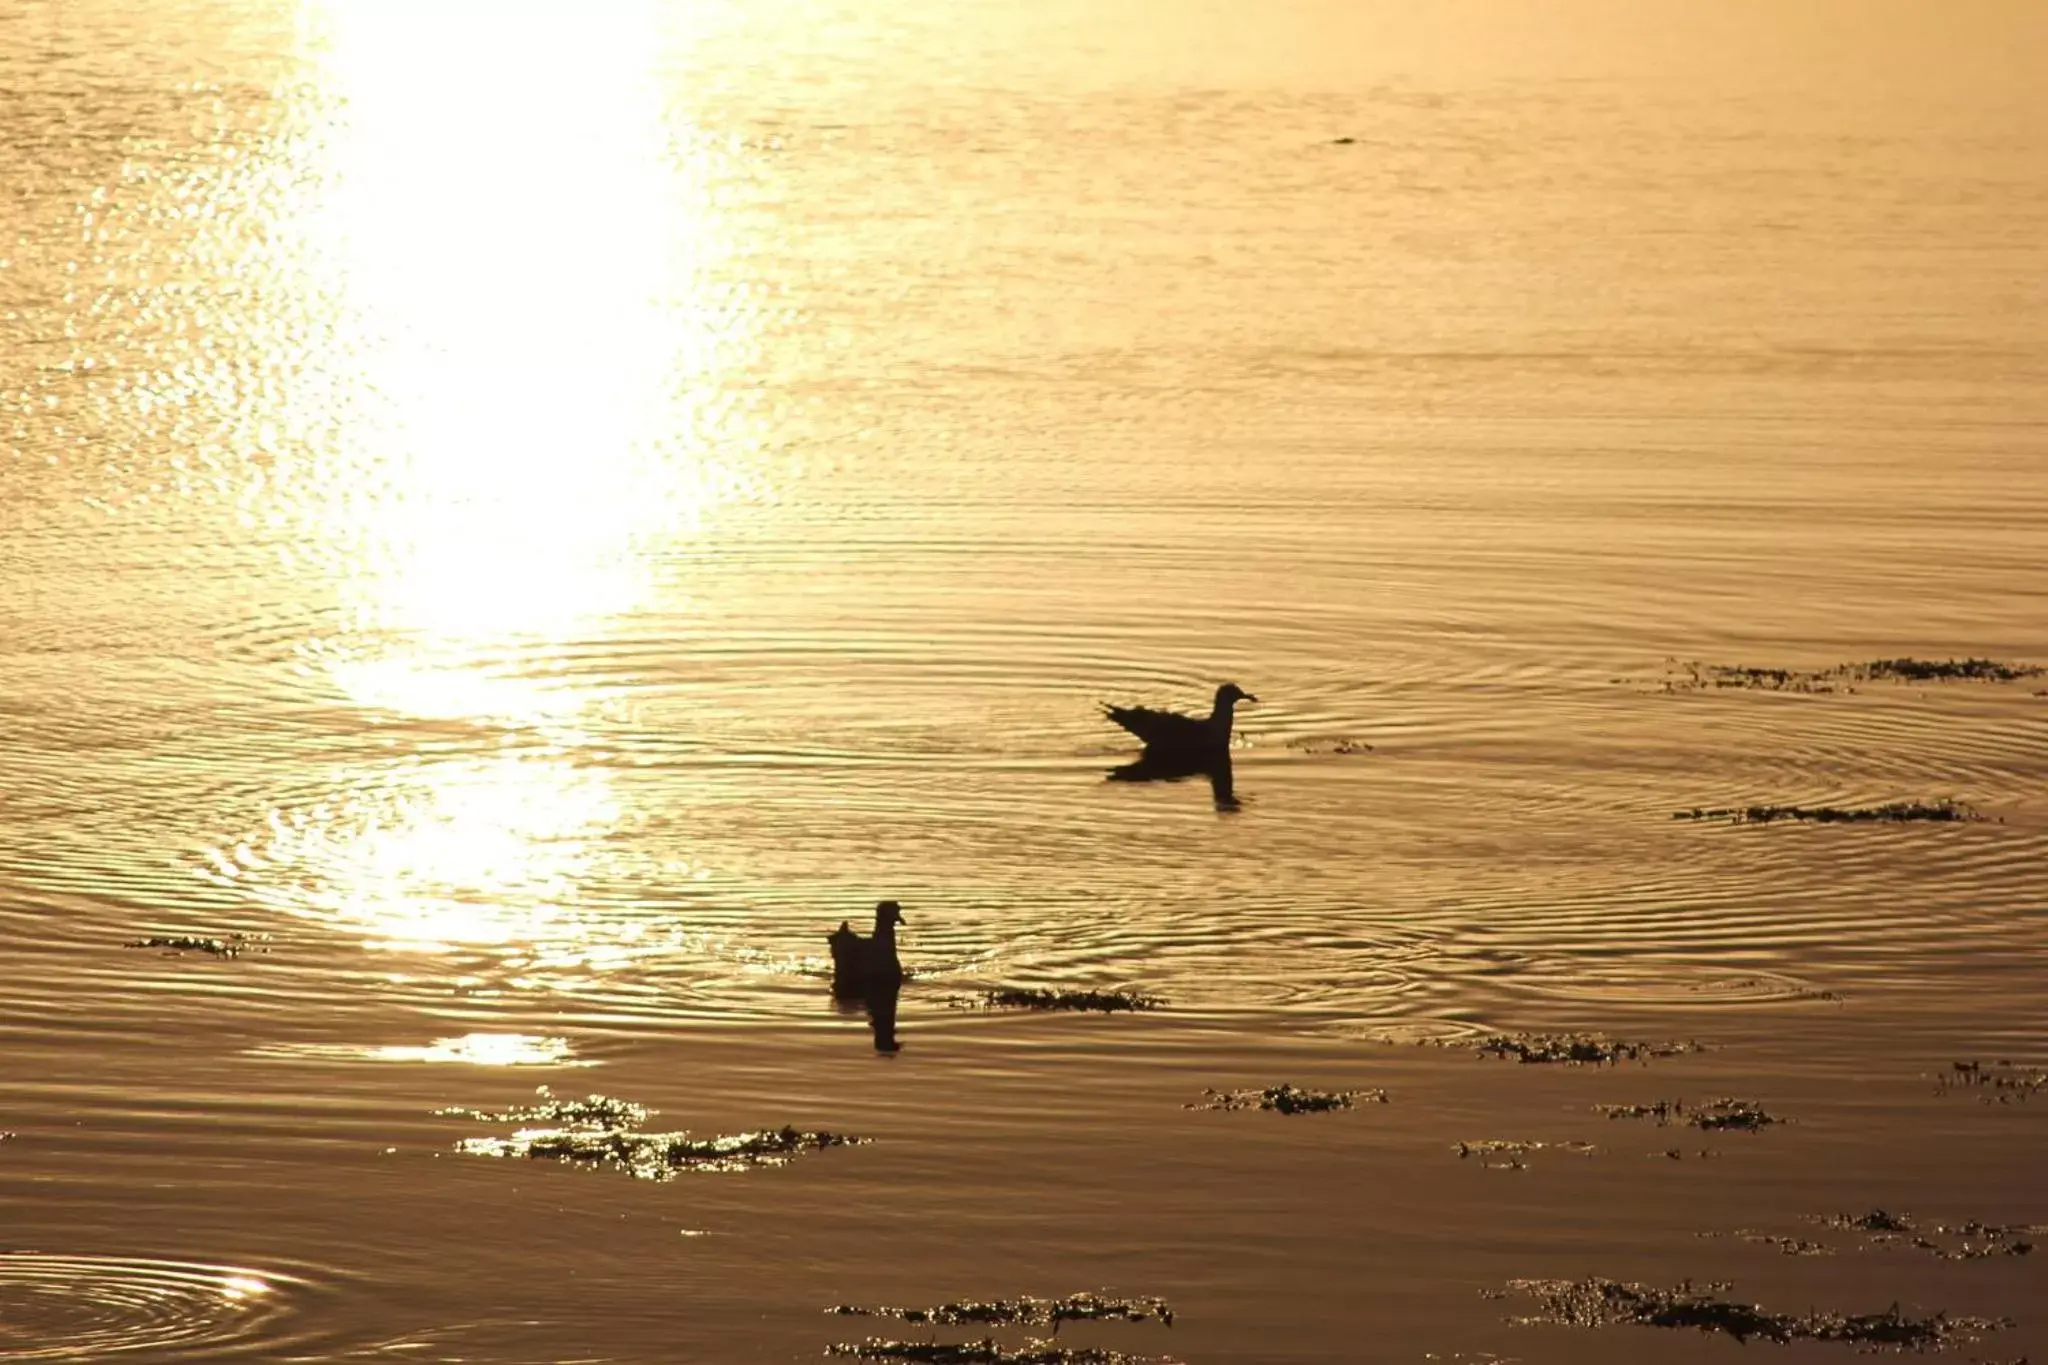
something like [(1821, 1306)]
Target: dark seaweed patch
[(1026, 1312), (230, 946), (1505, 1154), (1018, 1312), (1946, 670), (1719, 1115), (1577, 1049), (1605, 1303), (1969, 1241), (1102, 1002), (1340, 746), (1945, 811), (600, 1111), (1790, 1246), (658, 1156), (1663, 1111), (1694, 676), (1711, 1116), (598, 1130), (1287, 1099), (1992, 1082), (985, 1353)]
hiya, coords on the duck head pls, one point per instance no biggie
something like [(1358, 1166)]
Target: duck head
[(1230, 694), (888, 914)]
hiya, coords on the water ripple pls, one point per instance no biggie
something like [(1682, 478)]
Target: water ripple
[(58, 1307)]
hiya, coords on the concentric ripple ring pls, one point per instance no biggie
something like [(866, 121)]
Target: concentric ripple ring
[(55, 1307)]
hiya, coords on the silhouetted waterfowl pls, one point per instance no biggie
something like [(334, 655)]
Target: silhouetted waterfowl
[(862, 964), (1186, 741)]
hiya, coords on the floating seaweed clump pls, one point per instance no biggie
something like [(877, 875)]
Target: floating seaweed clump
[(1026, 1311), (658, 1156), (1969, 1241), (600, 1111), (1505, 1154), (1663, 1111), (1712, 1116), (1103, 1002), (229, 946), (1343, 746), (1606, 1303), (1945, 670), (1718, 1115), (1993, 1082), (985, 1353), (1693, 676), (1945, 811), (1790, 1246), (1575, 1048), (1287, 1099)]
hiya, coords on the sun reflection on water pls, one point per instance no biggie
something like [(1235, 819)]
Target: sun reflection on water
[(526, 395)]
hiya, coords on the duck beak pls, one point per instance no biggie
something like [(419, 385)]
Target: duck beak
[(1249, 697)]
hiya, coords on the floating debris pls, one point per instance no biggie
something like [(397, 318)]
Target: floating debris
[(1790, 1246), (8, 1137), (658, 1156), (1491, 1150), (1103, 1002), (1970, 1241), (600, 1111), (1712, 1116), (1026, 1311), (1945, 811), (1716, 1115), (1877, 1220), (1993, 1082), (1945, 670), (1286, 1099), (1663, 1111), (1605, 1303), (1578, 1049), (1341, 747), (1694, 676), (230, 946), (600, 1130), (986, 1352)]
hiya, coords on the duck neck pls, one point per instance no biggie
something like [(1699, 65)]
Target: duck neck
[(885, 933), (1221, 714)]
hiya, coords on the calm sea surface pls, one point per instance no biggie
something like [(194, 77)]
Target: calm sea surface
[(535, 516)]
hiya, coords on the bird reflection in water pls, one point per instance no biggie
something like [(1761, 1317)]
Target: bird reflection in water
[(1154, 769), (865, 968), (1178, 746)]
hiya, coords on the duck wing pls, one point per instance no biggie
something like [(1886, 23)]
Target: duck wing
[(1164, 729)]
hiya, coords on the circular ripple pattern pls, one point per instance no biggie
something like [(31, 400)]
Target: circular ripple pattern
[(84, 1307)]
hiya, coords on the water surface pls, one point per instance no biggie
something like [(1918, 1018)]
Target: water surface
[(541, 517)]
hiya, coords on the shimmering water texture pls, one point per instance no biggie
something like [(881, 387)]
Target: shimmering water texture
[(55, 1307), (515, 523)]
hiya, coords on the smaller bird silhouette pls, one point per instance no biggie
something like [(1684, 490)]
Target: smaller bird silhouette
[(1170, 737), (862, 964)]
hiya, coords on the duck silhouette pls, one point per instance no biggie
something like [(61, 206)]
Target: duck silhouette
[(866, 968), (1185, 742)]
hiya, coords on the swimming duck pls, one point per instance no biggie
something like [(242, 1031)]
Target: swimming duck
[(1172, 737), (864, 965)]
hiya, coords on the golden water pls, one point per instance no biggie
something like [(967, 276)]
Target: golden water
[(541, 515)]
